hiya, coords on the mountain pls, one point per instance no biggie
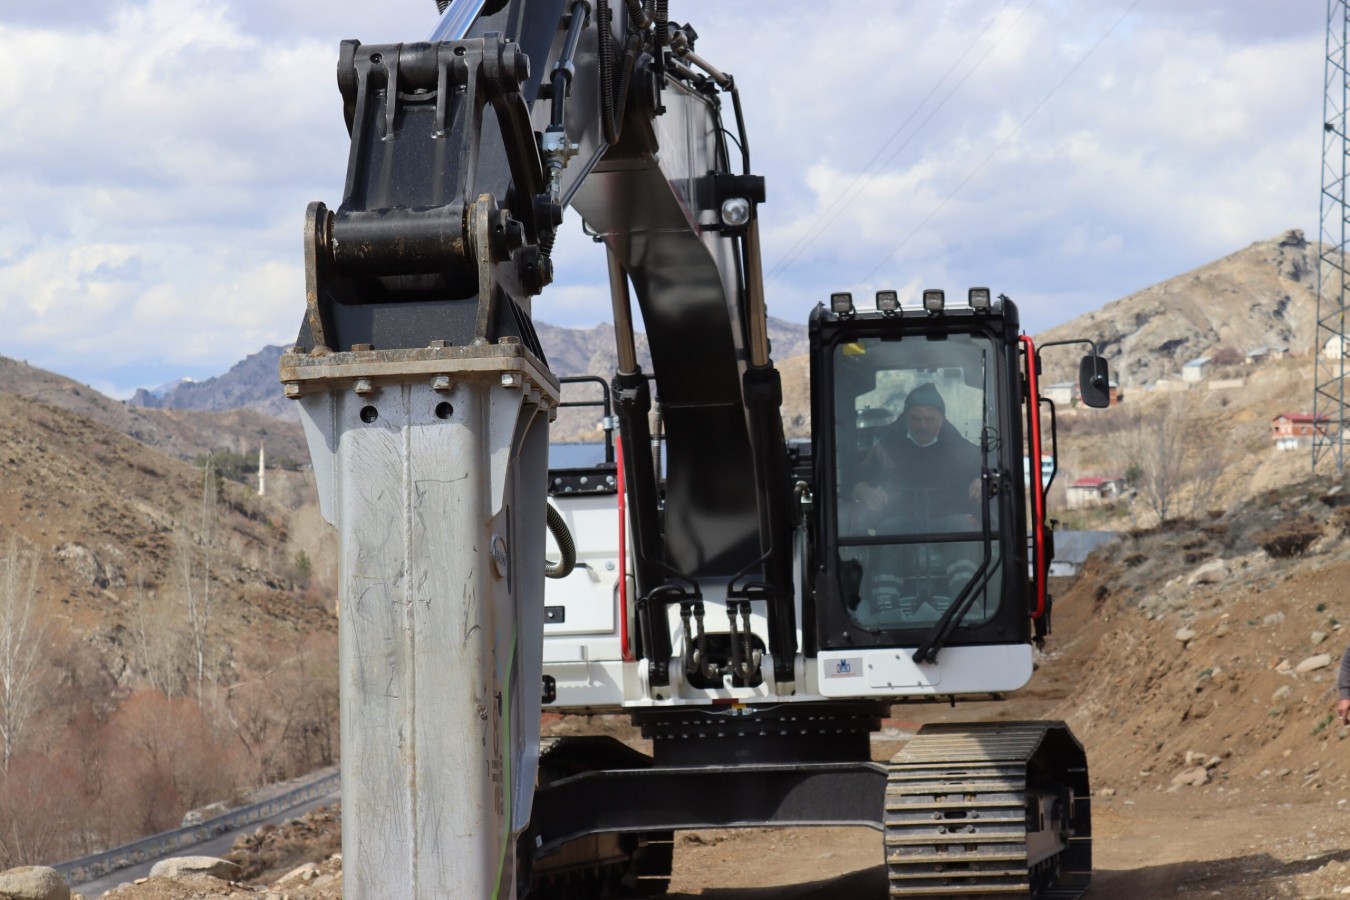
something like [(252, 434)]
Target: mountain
[(250, 383), (590, 351), (1262, 296), (176, 432)]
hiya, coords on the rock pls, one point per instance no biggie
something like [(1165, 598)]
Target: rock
[(33, 883), (1212, 572), (1283, 693), (181, 866), (1106, 792), (299, 873), (1313, 663), (1193, 777), (1185, 635), (1194, 759), (1284, 667), (1274, 618), (1212, 762), (86, 564)]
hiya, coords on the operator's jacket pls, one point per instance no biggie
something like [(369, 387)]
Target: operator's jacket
[(923, 482)]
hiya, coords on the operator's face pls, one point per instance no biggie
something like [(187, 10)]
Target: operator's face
[(924, 423)]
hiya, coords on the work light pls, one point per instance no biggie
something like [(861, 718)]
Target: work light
[(933, 301), (842, 303), (888, 301)]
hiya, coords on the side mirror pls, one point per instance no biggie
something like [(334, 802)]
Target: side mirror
[(1094, 382)]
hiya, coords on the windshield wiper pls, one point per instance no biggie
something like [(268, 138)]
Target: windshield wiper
[(941, 632)]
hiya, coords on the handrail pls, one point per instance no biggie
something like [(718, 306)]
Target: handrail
[(87, 868)]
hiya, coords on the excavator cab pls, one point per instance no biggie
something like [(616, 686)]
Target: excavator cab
[(921, 545)]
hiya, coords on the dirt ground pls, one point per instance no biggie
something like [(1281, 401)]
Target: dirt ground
[(1226, 681)]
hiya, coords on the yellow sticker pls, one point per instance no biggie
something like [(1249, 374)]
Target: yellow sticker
[(854, 349)]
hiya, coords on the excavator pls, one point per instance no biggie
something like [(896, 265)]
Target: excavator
[(754, 604)]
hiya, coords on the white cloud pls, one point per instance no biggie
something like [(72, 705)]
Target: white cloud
[(156, 178)]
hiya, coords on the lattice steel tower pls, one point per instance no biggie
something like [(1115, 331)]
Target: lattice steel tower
[(1330, 348)]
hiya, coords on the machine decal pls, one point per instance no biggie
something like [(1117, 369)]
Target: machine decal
[(847, 667)]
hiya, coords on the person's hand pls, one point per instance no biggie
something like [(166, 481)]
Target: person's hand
[(1343, 711), (874, 498)]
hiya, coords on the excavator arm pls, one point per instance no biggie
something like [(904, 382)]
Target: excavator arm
[(426, 397)]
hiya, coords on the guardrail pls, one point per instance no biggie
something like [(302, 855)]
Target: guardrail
[(79, 871)]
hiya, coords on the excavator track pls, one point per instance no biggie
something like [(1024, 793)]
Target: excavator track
[(602, 866), (989, 810)]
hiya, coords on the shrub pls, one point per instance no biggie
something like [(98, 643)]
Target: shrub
[(1288, 539)]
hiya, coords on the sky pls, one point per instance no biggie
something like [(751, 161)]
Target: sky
[(157, 156)]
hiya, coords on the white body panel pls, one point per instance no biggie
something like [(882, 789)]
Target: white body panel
[(584, 654), (893, 672)]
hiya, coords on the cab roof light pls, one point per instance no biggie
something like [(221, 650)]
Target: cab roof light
[(841, 304), (979, 298), (933, 301), (888, 302)]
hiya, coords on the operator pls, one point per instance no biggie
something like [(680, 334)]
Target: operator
[(920, 464), (1343, 688)]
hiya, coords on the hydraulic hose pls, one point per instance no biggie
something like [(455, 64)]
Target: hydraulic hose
[(558, 528), (614, 85)]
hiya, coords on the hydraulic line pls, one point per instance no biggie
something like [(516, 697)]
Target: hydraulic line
[(614, 97), (455, 21), (623, 316), (566, 546)]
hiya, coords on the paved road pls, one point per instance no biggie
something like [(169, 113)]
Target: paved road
[(216, 846)]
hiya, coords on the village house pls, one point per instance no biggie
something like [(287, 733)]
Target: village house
[(1265, 354), (1094, 490), (1061, 393), (1290, 431), (1066, 393), (1194, 370)]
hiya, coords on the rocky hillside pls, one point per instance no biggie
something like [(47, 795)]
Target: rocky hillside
[(179, 433), (1261, 296), (250, 383), (590, 351)]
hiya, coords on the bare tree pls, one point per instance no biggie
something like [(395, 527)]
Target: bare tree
[(196, 579), (1151, 449), (1172, 457), (157, 636), (20, 649)]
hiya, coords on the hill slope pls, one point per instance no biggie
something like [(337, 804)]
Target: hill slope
[(1262, 296)]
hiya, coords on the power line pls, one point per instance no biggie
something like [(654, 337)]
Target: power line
[(1037, 108), (843, 197)]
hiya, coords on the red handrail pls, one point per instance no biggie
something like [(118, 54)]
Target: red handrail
[(623, 555), (1037, 485)]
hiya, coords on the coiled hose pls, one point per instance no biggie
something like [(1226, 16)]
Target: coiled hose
[(558, 528)]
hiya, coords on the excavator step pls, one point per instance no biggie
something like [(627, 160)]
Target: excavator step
[(959, 803)]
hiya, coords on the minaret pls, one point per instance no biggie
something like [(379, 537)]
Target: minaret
[(262, 470)]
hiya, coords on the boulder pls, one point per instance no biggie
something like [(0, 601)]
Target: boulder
[(181, 866), (33, 883), (1212, 572), (1313, 663), (304, 872), (1185, 635), (1193, 777)]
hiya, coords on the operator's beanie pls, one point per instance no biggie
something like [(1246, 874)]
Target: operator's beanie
[(925, 395)]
